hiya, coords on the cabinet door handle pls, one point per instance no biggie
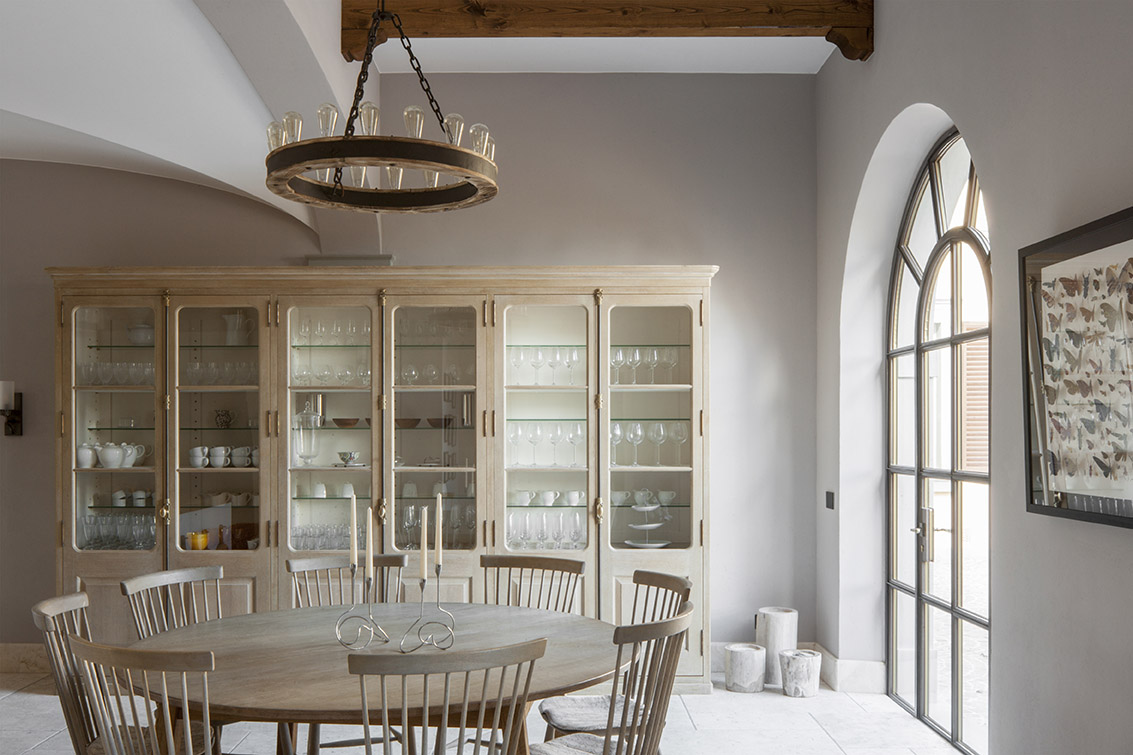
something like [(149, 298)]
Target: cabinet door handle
[(493, 313), (484, 423), (599, 511), (485, 533), (484, 309), (382, 511), (267, 533), (493, 533), (267, 423), (493, 423)]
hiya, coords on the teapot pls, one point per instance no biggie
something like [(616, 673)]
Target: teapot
[(111, 456)]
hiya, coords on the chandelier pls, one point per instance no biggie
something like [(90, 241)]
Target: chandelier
[(368, 172)]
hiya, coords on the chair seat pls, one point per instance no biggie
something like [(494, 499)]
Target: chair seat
[(196, 729), (572, 744), (579, 713)]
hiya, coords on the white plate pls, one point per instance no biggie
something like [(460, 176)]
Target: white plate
[(647, 544), (646, 506), (649, 526)]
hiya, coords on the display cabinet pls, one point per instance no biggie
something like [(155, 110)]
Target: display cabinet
[(231, 416)]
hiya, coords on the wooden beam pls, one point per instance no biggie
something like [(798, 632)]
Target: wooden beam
[(846, 23)]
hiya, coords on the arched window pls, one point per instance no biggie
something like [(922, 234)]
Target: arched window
[(938, 459)]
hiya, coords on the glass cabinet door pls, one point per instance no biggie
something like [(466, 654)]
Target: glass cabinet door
[(112, 471), (434, 431), (331, 452)]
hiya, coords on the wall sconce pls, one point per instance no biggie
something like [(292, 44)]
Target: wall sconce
[(12, 407)]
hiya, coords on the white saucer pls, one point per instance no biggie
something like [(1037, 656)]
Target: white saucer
[(647, 544)]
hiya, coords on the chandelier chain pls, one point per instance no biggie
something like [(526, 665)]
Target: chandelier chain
[(359, 89), (420, 74)]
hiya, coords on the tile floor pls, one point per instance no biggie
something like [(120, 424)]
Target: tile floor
[(833, 723)]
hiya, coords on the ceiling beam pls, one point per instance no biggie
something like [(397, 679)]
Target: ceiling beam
[(846, 23)]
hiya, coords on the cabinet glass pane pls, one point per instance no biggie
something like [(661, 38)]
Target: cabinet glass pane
[(330, 443), (650, 453), (113, 414), (434, 410), (545, 404), (217, 411)]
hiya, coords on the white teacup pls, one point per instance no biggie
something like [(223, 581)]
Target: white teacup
[(241, 499), (320, 490), (199, 451), (347, 489), (220, 461), (221, 450), (118, 498), (218, 499), (520, 497), (140, 497), (409, 490), (198, 461), (255, 457), (642, 497), (618, 497), (242, 451), (666, 496), (547, 497), (240, 461), (571, 497)]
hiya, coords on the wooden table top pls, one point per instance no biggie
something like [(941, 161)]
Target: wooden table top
[(287, 666)]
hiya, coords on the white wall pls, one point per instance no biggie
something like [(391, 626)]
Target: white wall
[(1040, 91)]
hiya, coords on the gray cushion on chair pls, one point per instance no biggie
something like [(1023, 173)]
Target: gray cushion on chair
[(572, 745), (580, 712)]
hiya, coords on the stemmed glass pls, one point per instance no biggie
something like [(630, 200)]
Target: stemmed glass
[(408, 523), (636, 436), (554, 361), (633, 359), (652, 359), (514, 435), (616, 437), (679, 432), (557, 531), (534, 437), (305, 332), (468, 523), (617, 359), (657, 438), (578, 532), (516, 357), (574, 360), (539, 530), (537, 361), (669, 360), (555, 436), (575, 437)]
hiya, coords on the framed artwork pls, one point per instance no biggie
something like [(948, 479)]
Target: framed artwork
[(1077, 296)]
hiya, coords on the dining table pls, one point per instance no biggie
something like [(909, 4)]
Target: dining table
[(288, 667)]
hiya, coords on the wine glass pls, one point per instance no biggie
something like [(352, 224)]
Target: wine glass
[(324, 374), (575, 436), (636, 436), (657, 438), (669, 360), (408, 374), (575, 359), (516, 358), (554, 361), (633, 359), (578, 531), (522, 529), (305, 332), (534, 437), (537, 361), (539, 530), (555, 436), (617, 359), (679, 433), (556, 533), (652, 359), (408, 522), (616, 437), (514, 435)]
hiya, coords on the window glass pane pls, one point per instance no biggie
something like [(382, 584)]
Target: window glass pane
[(938, 667), (974, 686), (904, 517), (939, 323), (975, 547), (973, 292), (954, 167), (921, 235), (904, 651), (938, 500), (905, 311), (974, 445), (938, 407), (903, 450)]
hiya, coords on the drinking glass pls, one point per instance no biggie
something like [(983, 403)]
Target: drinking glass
[(408, 374), (363, 372), (534, 437), (345, 375), (521, 529), (337, 333), (657, 438), (516, 357), (554, 361), (617, 359), (431, 374), (351, 332), (468, 524), (555, 436), (575, 437), (137, 373), (652, 359), (556, 534), (616, 437), (679, 433), (669, 360), (408, 523), (539, 530), (514, 435), (537, 361), (635, 435), (575, 359), (304, 332), (578, 531), (324, 374), (303, 375), (319, 333), (633, 359)]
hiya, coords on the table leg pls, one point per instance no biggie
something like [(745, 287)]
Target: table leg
[(524, 747), (313, 739), (286, 734)]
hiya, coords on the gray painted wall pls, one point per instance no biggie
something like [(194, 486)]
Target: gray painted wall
[(1040, 93)]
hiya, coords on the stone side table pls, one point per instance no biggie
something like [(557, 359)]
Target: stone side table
[(776, 628), (745, 665), (801, 671)]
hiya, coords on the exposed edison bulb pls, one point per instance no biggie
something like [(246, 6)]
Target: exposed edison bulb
[(368, 118), (454, 128), (275, 136), (491, 149), (292, 127), (478, 132), (393, 177), (414, 121), (328, 118)]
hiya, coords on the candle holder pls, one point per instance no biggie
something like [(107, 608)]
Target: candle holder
[(354, 629), (439, 632)]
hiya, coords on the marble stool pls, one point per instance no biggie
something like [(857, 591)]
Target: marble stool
[(776, 628), (744, 667), (801, 671)]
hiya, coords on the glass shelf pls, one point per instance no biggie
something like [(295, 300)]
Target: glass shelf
[(548, 508), (543, 468), (218, 388), (546, 419), (433, 388), (222, 506), (330, 346), (336, 428), (435, 346), (546, 346), (92, 428), (358, 498), (430, 427), (119, 508), (661, 505), (648, 387), (116, 388), (120, 346), (217, 470), (313, 468), (644, 468), (650, 346), (214, 429), (113, 469), (434, 498), (329, 388), (434, 469), (650, 419), (218, 346), (528, 388)]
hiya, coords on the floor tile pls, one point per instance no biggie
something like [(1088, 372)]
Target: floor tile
[(719, 742), (16, 740), (59, 743), (12, 682), (877, 730)]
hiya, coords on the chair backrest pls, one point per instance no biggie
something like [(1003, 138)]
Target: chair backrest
[(531, 581), (167, 600), (657, 596), (325, 581), (57, 618), (481, 694), (652, 651), (127, 725)]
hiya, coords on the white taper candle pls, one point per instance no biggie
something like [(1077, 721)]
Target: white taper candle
[(424, 541), (353, 531), (440, 521)]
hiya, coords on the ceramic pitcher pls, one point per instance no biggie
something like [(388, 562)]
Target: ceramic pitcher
[(237, 329)]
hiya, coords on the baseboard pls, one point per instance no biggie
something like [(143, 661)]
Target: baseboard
[(23, 658), (839, 675)]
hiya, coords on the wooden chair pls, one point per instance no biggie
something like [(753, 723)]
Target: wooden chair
[(167, 600), (127, 723), (57, 618), (635, 717), (480, 694), (656, 597), (325, 581), (550, 583)]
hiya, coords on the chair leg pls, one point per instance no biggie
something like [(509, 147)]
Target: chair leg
[(550, 733), (313, 739)]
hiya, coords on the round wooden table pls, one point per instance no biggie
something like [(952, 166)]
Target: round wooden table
[(287, 666)]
